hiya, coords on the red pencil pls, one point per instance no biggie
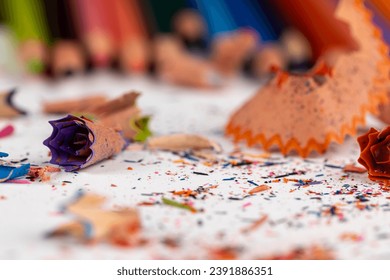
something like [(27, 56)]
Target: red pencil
[(132, 35), (95, 26)]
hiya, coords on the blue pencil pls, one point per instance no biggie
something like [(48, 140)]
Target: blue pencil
[(217, 16), (249, 13)]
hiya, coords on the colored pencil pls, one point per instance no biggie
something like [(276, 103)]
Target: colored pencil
[(316, 20), (94, 23), (163, 11), (28, 24), (217, 15), (132, 35), (251, 14), (67, 56), (190, 27)]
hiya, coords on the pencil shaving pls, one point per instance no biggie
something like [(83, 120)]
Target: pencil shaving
[(182, 142), (307, 112), (95, 224), (77, 143), (7, 106), (175, 66), (375, 155), (42, 173), (82, 105)]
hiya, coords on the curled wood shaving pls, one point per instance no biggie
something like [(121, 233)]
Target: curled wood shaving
[(182, 142)]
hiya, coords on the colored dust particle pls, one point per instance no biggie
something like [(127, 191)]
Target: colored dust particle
[(176, 204), (6, 131), (259, 189), (256, 224)]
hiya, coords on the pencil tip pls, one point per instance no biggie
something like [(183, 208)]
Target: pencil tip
[(68, 73), (35, 66)]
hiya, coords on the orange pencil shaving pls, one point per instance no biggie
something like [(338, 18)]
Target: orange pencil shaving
[(259, 189), (256, 224)]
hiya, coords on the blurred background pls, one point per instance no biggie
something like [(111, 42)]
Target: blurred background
[(194, 43)]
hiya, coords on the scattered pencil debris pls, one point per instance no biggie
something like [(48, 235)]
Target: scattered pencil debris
[(41, 173)]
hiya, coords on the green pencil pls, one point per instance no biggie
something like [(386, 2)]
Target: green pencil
[(26, 20), (163, 12)]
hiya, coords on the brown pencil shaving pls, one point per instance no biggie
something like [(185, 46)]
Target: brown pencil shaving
[(125, 101), (75, 105), (122, 120), (182, 142), (120, 113), (175, 66), (7, 106), (191, 71)]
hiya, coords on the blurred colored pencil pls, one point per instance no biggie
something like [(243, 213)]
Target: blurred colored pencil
[(163, 11), (94, 23), (27, 22), (217, 16), (9, 62), (190, 27), (67, 56), (316, 20), (132, 35), (250, 14)]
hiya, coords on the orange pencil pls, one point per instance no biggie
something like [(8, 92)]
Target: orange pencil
[(316, 20)]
